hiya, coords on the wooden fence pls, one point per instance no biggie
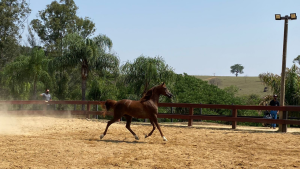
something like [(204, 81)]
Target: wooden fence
[(234, 118)]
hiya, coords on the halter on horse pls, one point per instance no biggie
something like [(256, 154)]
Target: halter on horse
[(145, 108)]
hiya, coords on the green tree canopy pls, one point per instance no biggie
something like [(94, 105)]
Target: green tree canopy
[(297, 60), (26, 70), (89, 54), (146, 72), (13, 14), (189, 89), (292, 86), (58, 20), (237, 69)]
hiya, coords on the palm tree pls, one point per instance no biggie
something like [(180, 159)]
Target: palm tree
[(29, 69), (237, 68), (89, 55), (146, 72)]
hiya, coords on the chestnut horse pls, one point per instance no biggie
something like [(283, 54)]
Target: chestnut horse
[(145, 108)]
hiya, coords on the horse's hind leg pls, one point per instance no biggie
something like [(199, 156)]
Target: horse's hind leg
[(158, 127), (115, 118), (129, 118), (151, 121)]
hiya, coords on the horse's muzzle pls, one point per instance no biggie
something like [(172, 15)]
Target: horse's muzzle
[(169, 95)]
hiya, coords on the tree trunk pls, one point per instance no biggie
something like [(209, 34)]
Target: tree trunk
[(84, 75), (83, 88), (34, 89), (34, 93)]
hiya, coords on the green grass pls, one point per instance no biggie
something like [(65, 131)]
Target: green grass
[(247, 85)]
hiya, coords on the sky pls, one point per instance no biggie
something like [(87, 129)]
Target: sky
[(197, 37)]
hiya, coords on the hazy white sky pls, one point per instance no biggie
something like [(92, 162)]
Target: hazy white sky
[(197, 37)]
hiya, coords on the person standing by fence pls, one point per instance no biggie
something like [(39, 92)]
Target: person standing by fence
[(274, 113), (47, 97)]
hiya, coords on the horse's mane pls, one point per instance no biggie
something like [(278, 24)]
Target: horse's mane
[(148, 95)]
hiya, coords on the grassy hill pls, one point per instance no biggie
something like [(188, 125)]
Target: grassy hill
[(247, 85)]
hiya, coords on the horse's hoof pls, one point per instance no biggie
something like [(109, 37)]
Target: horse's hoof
[(136, 137), (101, 137), (165, 139), (146, 136)]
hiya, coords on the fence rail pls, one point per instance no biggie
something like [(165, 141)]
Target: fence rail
[(190, 117)]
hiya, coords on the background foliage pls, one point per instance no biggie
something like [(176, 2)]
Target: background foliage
[(63, 54)]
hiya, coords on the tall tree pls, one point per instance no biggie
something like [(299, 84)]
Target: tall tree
[(13, 14), (29, 69), (146, 72), (237, 69), (53, 24), (89, 54), (58, 20)]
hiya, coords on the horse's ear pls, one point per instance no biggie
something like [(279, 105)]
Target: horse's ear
[(163, 83)]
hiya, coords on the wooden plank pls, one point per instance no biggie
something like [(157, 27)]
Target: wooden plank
[(228, 118), (97, 102), (241, 107), (23, 102), (187, 105), (171, 116)]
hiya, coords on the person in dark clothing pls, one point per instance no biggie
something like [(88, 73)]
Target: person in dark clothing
[(274, 113)]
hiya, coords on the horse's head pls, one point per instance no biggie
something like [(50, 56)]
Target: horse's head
[(164, 90)]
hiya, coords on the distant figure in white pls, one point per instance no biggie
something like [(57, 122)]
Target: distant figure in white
[(46, 95)]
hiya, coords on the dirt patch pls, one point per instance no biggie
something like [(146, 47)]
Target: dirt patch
[(75, 143)]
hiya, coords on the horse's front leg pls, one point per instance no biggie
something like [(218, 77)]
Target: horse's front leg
[(158, 127), (151, 121)]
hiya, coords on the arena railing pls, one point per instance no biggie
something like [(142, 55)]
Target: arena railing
[(190, 117)]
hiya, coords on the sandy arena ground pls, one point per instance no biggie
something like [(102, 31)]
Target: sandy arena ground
[(52, 142)]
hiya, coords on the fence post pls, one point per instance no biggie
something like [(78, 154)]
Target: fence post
[(171, 113), (234, 114), (191, 112), (97, 110), (285, 117), (200, 112), (74, 106), (87, 111)]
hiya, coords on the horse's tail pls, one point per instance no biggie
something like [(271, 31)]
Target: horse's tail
[(110, 104)]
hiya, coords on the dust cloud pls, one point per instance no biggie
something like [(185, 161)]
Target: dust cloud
[(23, 123)]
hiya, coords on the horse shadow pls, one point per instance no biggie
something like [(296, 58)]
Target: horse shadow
[(117, 141)]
